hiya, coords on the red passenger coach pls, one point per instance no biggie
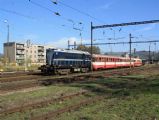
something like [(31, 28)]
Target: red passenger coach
[(106, 62), (137, 62)]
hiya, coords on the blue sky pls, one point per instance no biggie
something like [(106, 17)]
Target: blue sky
[(42, 26)]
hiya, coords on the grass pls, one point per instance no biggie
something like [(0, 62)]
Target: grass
[(12, 68), (44, 110), (132, 97), (21, 98), (128, 108)]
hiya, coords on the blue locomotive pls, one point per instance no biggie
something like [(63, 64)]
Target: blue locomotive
[(59, 61)]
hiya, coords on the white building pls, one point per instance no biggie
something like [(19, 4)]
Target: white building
[(21, 53)]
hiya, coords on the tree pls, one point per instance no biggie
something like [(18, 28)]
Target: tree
[(82, 48), (95, 49), (4, 60)]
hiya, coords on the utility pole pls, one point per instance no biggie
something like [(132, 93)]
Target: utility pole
[(134, 52), (149, 53), (91, 44), (8, 57), (8, 33), (74, 45), (81, 37), (130, 42), (68, 44)]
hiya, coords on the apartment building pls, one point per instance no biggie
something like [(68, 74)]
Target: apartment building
[(25, 53)]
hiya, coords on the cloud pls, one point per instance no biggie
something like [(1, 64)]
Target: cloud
[(21, 38), (63, 42), (148, 28), (30, 36), (106, 6)]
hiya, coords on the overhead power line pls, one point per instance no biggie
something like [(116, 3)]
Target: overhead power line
[(16, 13), (50, 10), (41, 6), (56, 13), (77, 10), (111, 43), (126, 24)]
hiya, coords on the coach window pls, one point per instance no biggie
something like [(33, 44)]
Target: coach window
[(100, 59), (110, 59), (96, 59), (106, 59), (93, 59), (113, 59)]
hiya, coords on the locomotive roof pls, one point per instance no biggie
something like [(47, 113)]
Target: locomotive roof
[(70, 51)]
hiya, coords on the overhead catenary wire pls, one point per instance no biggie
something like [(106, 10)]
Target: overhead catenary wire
[(52, 11), (115, 43), (16, 13), (41, 6), (77, 10), (58, 14)]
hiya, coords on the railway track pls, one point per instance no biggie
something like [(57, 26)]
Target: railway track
[(64, 79), (15, 74), (19, 78), (6, 87), (39, 104), (38, 76), (9, 87), (53, 114)]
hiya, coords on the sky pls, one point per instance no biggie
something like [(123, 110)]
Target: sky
[(36, 20)]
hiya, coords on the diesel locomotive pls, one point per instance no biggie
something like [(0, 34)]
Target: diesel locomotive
[(59, 61)]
